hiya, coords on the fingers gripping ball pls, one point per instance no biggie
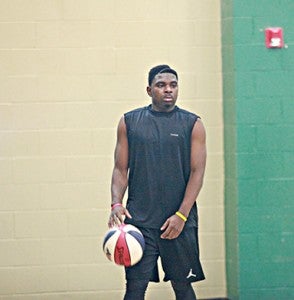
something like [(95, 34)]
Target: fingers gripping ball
[(124, 245)]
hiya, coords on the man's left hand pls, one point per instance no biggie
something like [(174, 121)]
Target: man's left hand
[(172, 227)]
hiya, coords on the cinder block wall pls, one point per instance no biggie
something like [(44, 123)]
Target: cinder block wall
[(69, 70)]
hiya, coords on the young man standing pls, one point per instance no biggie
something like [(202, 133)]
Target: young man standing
[(160, 157)]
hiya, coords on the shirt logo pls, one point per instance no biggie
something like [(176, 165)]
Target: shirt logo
[(174, 134), (191, 274)]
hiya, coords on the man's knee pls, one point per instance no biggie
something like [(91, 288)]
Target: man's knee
[(135, 289), (183, 290)]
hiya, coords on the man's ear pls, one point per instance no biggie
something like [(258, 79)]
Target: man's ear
[(148, 89)]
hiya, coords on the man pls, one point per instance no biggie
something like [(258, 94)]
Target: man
[(160, 157)]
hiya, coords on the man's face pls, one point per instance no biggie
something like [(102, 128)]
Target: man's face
[(164, 92)]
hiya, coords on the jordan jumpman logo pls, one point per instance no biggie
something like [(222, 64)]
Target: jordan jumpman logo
[(191, 274)]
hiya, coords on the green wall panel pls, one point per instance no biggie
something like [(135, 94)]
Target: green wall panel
[(258, 91)]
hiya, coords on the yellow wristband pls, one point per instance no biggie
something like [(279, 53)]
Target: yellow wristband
[(179, 214)]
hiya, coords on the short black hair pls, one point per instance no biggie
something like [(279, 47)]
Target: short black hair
[(158, 70)]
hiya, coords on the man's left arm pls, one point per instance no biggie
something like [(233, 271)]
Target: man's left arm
[(175, 224)]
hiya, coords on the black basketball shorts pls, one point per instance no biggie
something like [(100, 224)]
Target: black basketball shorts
[(179, 257)]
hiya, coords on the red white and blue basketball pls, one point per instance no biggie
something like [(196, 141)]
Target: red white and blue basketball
[(124, 245)]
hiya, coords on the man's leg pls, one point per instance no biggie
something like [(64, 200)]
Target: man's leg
[(139, 275), (183, 290), (136, 289)]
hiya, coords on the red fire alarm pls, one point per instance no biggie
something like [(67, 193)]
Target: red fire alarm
[(274, 37)]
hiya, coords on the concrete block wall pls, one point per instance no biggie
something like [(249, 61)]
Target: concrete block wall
[(69, 70)]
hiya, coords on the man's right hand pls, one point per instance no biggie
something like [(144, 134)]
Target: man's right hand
[(117, 214)]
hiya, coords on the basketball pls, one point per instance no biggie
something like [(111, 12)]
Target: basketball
[(124, 245)]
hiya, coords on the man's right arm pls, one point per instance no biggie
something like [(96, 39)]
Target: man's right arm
[(119, 181)]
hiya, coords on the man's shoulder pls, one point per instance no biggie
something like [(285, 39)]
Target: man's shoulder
[(187, 113), (135, 111)]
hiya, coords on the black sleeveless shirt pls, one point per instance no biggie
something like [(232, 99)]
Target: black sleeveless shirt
[(159, 164)]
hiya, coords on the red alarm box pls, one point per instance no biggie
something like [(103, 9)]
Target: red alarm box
[(274, 37)]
